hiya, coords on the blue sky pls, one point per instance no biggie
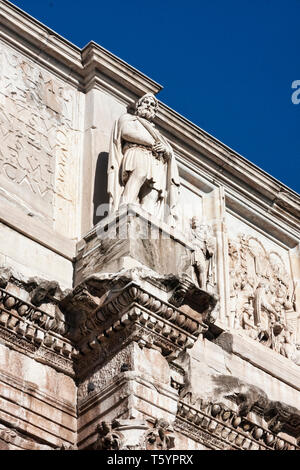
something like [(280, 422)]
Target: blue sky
[(226, 65)]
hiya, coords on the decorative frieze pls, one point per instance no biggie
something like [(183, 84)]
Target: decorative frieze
[(138, 325), (262, 296), (11, 439), (278, 416), (218, 427), (32, 331), (122, 309)]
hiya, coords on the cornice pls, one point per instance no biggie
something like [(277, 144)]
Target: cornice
[(39, 35), (221, 165), (240, 200), (95, 57), (32, 331), (261, 357), (218, 427), (85, 62)]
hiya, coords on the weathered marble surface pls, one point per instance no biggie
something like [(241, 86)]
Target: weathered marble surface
[(40, 140), (37, 402), (126, 347)]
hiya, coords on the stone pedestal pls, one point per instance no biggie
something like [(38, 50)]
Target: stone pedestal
[(131, 237)]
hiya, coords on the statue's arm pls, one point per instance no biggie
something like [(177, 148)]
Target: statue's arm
[(163, 148), (131, 131), (211, 245)]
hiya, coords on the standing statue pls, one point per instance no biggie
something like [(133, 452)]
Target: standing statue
[(203, 260), (141, 168)]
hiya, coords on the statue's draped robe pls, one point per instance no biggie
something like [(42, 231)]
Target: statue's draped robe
[(123, 156)]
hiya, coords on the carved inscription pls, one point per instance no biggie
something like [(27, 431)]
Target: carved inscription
[(36, 135)]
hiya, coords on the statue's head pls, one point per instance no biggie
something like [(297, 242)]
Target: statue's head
[(195, 222), (146, 106)]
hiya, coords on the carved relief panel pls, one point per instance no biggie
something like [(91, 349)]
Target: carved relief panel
[(262, 302), (37, 136)]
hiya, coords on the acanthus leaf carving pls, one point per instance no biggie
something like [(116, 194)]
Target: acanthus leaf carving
[(134, 434), (160, 437), (108, 438)]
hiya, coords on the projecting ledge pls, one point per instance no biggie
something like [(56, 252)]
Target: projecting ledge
[(261, 357)]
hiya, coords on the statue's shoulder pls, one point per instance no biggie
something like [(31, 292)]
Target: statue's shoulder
[(126, 118)]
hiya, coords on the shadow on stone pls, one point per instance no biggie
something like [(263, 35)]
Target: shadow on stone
[(100, 186)]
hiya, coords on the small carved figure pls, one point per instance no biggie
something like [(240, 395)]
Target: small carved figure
[(248, 322), (247, 286), (287, 346), (161, 437), (204, 254), (67, 447), (44, 291), (142, 169), (262, 302), (281, 301), (108, 439), (235, 285), (234, 255), (5, 275)]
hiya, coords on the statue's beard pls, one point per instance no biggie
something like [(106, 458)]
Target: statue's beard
[(145, 113)]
